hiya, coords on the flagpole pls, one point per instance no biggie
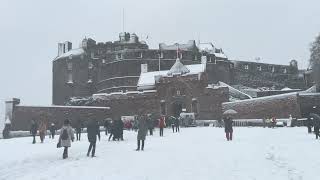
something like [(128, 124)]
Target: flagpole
[(159, 59)]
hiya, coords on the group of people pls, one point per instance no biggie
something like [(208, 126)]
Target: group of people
[(115, 128), (175, 123), (42, 128), (144, 124)]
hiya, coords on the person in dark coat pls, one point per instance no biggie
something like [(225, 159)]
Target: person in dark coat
[(177, 124), (150, 125), (121, 126), (228, 127), (33, 130), (171, 120), (52, 130), (142, 132), (112, 129), (79, 127), (309, 124), (106, 126), (316, 123), (93, 131), (118, 130)]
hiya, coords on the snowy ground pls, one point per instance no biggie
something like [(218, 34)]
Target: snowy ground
[(195, 153)]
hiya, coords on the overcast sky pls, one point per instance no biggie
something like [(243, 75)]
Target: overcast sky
[(275, 30)]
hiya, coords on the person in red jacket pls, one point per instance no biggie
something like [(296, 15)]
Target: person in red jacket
[(162, 124)]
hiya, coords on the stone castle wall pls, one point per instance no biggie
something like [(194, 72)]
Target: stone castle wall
[(23, 115)]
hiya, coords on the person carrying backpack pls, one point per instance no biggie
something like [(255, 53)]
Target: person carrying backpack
[(66, 136)]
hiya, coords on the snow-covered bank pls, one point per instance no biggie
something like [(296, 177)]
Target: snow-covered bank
[(195, 153)]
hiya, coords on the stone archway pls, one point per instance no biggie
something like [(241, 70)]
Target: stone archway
[(177, 107)]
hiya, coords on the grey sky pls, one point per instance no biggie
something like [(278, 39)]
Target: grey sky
[(276, 30)]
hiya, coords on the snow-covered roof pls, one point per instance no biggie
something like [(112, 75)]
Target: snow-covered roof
[(73, 52), (206, 47), (178, 68), (220, 55), (147, 80), (76, 107)]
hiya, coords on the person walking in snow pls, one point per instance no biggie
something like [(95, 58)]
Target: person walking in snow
[(228, 127), (106, 126), (177, 124), (65, 138), (33, 130), (79, 127), (93, 131), (112, 130), (309, 124), (142, 132), (171, 121), (52, 130), (162, 124), (42, 130), (118, 130), (316, 124), (150, 125)]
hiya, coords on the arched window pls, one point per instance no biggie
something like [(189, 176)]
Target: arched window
[(163, 107), (194, 106)]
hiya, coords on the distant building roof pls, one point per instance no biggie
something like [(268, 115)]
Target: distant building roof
[(72, 52), (147, 80), (190, 46)]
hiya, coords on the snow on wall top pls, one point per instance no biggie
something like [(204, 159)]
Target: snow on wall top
[(72, 52), (147, 80), (79, 107)]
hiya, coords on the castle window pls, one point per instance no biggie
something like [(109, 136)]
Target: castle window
[(139, 55), (246, 67), (163, 107), (194, 105), (181, 56), (285, 70), (90, 65), (161, 55), (69, 80), (272, 69), (178, 92), (69, 66), (119, 56), (210, 59), (195, 57), (259, 68)]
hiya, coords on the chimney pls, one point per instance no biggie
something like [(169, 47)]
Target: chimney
[(60, 49), (67, 46)]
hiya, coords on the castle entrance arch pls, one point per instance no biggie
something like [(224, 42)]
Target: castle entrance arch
[(177, 106)]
